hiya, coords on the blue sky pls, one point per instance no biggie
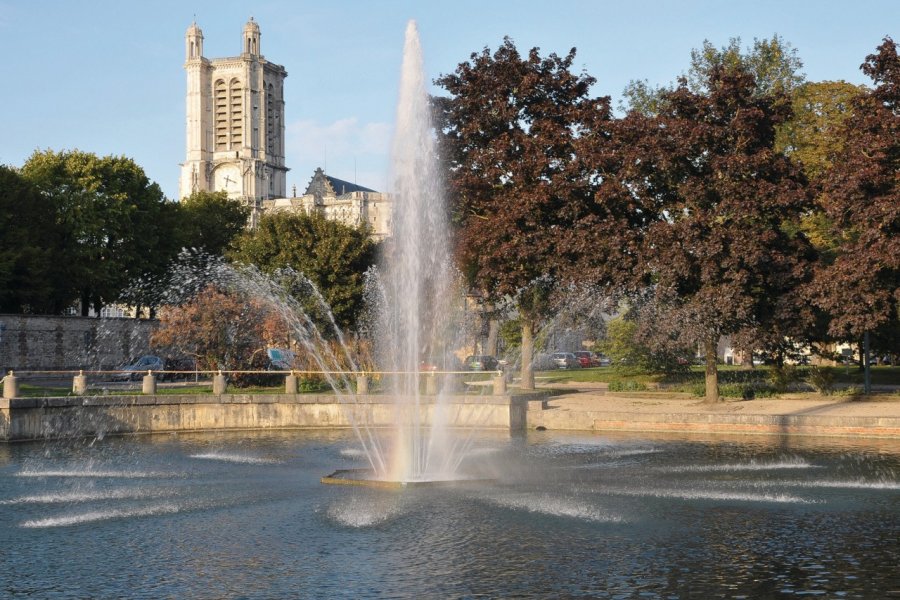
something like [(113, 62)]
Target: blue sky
[(106, 76)]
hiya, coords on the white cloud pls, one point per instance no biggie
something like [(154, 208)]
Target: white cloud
[(310, 141)]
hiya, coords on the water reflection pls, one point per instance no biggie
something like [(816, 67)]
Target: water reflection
[(244, 515)]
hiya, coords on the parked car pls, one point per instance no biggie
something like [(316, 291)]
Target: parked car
[(482, 362), (543, 362), (598, 360), (139, 368), (566, 360), (280, 359), (584, 357)]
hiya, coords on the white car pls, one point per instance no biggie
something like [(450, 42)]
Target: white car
[(566, 360)]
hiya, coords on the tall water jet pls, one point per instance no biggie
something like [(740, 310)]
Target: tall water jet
[(416, 276)]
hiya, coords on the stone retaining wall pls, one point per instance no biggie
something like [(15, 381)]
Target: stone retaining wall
[(714, 423), (24, 419), (50, 343)]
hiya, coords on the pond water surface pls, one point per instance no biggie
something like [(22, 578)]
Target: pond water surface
[(243, 515)]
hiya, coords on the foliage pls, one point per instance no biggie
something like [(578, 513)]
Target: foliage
[(821, 378), (782, 377), (508, 133), (773, 63), (627, 386), (860, 289), (333, 256), (211, 221), (708, 202), (511, 333), (813, 136), (116, 225), (220, 331), (630, 352), (30, 249)]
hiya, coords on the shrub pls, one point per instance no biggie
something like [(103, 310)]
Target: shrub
[(627, 386), (782, 377), (822, 378)]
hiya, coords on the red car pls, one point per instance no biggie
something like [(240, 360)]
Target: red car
[(584, 357)]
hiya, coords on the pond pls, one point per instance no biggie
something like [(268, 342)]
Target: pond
[(244, 515)]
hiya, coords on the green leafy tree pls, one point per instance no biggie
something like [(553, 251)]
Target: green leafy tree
[(211, 221), (774, 64), (30, 251), (116, 223), (333, 256), (706, 202), (508, 132), (860, 288)]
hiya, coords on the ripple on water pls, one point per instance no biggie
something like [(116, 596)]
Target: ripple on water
[(752, 465), (555, 506), (74, 496), (235, 458), (362, 511), (100, 515), (109, 474)]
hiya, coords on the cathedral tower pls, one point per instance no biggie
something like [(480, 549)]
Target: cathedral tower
[(235, 122)]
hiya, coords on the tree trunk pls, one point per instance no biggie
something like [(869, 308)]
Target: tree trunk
[(712, 374), (527, 355), (493, 334)]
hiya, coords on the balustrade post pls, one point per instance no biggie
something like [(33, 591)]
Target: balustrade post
[(10, 386), (79, 384)]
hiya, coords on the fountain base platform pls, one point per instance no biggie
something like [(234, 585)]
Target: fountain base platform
[(365, 478)]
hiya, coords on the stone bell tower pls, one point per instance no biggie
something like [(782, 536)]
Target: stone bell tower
[(235, 122)]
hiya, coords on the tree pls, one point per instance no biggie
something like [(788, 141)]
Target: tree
[(211, 221), (706, 202), (332, 255), (813, 136), (774, 64), (507, 133), (116, 223), (860, 289), (220, 330), (30, 252)]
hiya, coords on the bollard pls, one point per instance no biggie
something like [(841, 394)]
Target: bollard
[(10, 386), (149, 384), (430, 385), (499, 384), (290, 384), (79, 384), (362, 385), (219, 384)]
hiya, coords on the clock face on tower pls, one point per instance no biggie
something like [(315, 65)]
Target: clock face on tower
[(228, 178)]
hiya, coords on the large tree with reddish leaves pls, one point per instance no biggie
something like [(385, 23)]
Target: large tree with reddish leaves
[(707, 212), (860, 288), (508, 133)]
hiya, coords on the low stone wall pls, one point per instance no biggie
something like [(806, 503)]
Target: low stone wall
[(844, 426), (50, 343), (24, 419)]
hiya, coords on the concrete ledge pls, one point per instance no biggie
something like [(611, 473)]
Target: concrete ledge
[(24, 419), (849, 426)]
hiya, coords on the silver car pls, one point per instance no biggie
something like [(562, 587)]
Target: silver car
[(566, 360)]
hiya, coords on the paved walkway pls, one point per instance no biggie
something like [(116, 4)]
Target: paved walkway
[(592, 407)]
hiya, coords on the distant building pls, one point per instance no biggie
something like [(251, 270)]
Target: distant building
[(235, 122), (342, 201), (235, 140)]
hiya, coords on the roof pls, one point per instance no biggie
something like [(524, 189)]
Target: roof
[(325, 185)]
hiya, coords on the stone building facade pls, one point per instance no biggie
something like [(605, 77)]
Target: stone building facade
[(235, 140), (342, 201), (235, 122)]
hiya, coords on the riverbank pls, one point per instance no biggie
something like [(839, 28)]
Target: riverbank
[(591, 407)]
